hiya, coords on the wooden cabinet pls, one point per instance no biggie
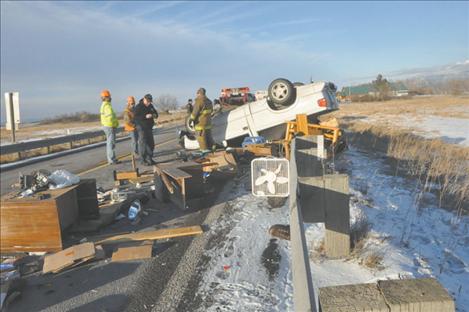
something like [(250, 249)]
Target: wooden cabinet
[(35, 224)]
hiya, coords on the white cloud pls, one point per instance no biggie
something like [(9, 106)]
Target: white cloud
[(60, 57)]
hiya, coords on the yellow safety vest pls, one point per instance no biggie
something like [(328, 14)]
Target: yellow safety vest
[(108, 117)]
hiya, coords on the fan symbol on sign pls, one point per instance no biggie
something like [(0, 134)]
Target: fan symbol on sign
[(270, 177)]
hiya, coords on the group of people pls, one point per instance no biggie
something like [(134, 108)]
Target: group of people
[(139, 120)]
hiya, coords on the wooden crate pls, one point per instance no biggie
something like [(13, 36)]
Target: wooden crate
[(34, 224), (185, 180)]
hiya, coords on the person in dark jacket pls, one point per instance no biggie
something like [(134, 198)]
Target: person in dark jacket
[(144, 116), (189, 106)]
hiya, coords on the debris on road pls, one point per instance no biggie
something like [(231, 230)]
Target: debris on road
[(281, 231), (35, 224), (153, 235), (142, 251), (74, 255), (11, 285)]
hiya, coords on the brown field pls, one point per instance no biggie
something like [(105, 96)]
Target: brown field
[(444, 106)]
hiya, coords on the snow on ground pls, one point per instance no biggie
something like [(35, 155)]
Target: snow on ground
[(419, 242), (414, 242), (449, 129), (236, 278), (53, 133)]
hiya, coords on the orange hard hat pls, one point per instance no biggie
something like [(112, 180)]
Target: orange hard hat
[(130, 99), (105, 93)]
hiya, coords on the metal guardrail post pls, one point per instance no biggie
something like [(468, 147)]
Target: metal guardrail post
[(303, 290)]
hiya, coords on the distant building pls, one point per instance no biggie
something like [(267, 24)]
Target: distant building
[(397, 89)]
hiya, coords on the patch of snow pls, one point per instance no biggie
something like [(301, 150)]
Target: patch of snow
[(54, 133), (236, 279), (415, 238), (450, 130), (413, 235)]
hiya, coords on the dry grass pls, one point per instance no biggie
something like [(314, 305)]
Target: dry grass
[(321, 248), (445, 106), (440, 166), (373, 261), (435, 162), (359, 233)]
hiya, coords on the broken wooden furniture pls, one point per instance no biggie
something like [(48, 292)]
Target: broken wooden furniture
[(71, 256), (87, 199), (221, 165), (133, 176), (178, 182), (35, 224), (153, 235), (141, 249)]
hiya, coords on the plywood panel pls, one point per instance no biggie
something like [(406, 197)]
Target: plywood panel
[(132, 253), (153, 235)]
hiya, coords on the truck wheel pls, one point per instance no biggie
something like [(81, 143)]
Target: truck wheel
[(189, 129), (282, 92)]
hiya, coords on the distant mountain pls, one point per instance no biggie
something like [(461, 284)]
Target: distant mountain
[(458, 71)]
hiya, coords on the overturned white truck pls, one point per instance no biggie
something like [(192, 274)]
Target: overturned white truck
[(267, 117)]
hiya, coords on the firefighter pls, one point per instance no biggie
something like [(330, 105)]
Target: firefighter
[(110, 123), (129, 125), (201, 117), (145, 115)]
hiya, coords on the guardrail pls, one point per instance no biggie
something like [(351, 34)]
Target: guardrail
[(303, 290), (47, 143)]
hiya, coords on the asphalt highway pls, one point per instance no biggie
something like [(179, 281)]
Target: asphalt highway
[(142, 285)]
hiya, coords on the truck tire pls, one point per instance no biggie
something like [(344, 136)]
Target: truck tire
[(189, 129), (282, 92)]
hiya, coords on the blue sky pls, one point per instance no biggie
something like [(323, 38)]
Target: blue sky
[(60, 55)]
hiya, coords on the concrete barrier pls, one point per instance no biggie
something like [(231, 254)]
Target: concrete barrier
[(416, 295), (324, 197)]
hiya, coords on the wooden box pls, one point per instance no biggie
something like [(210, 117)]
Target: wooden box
[(34, 224)]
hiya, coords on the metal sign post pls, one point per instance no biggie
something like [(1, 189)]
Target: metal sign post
[(13, 113)]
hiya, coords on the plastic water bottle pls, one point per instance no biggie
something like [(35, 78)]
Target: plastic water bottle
[(134, 210)]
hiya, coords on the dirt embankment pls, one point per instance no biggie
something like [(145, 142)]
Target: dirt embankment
[(441, 167)]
